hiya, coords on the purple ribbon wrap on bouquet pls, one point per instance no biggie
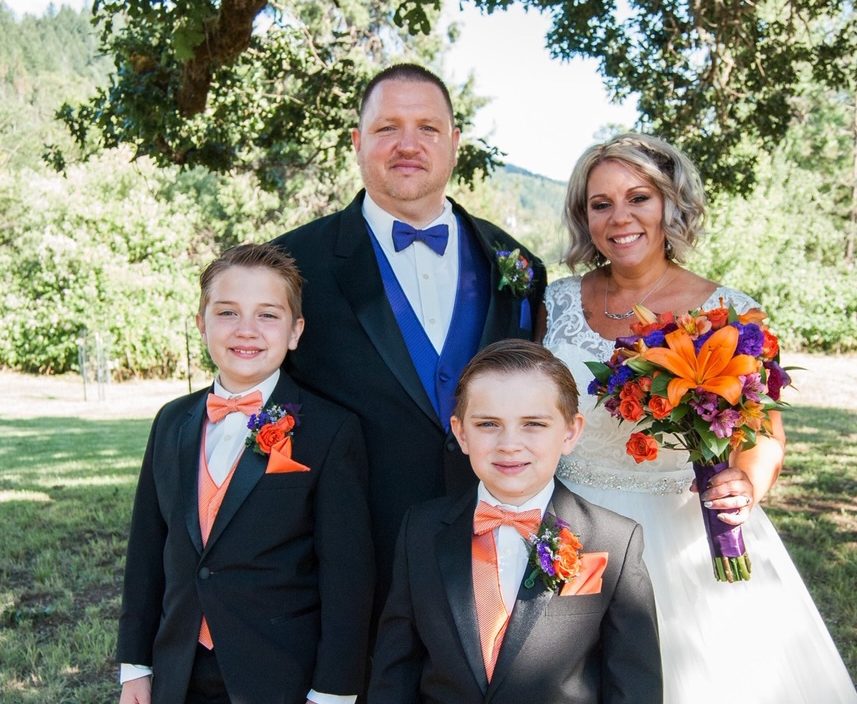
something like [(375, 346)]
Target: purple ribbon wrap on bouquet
[(728, 555)]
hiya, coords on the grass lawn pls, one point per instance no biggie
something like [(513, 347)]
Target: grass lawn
[(67, 485)]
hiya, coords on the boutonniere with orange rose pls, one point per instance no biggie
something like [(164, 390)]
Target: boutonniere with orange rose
[(554, 554), (705, 382), (271, 433)]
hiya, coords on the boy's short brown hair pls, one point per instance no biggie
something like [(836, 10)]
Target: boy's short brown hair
[(515, 356), (255, 255)]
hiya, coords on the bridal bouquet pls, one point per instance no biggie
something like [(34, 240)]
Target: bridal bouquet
[(704, 382)]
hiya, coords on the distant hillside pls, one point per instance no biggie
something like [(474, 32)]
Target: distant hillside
[(528, 205)]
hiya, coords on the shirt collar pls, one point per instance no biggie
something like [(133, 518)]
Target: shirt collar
[(381, 221), (266, 387), (539, 501)]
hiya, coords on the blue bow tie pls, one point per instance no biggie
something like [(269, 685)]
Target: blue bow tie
[(434, 237)]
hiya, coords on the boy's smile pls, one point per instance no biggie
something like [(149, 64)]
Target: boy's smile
[(248, 325), (514, 433)]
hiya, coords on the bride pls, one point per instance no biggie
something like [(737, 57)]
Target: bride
[(634, 208)]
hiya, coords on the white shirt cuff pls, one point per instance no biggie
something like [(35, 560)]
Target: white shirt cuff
[(129, 672), (320, 698)]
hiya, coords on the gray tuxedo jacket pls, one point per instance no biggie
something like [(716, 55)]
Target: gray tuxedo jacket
[(557, 649)]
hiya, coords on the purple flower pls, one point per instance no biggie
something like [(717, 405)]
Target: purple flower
[(593, 387), (545, 559), (725, 423), (503, 253), (699, 341), (777, 379), (705, 405), (752, 386), (618, 379), (750, 339), (611, 405), (628, 342), (655, 339)]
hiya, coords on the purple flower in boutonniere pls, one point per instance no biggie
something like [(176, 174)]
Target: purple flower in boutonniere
[(516, 273), (554, 554)]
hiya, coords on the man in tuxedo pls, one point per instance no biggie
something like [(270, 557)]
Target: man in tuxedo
[(402, 288)]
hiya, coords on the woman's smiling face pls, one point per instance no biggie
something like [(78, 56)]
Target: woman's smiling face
[(625, 214)]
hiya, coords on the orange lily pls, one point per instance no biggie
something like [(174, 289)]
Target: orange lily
[(714, 369)]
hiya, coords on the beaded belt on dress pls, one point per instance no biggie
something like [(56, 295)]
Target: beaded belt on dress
[(675, 482)]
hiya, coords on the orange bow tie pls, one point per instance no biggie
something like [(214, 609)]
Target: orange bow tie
[(218, 408), (488, 517)]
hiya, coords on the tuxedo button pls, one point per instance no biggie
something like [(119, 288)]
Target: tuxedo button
[(443, 376), (452, 446), (204, 573)]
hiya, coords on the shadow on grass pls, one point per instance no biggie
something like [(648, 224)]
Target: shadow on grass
[(814, 507), (66, 492)]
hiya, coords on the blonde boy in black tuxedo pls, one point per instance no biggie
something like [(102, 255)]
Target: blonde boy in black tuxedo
[(249, 573)]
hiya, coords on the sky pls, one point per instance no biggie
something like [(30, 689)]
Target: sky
[(543, 113)]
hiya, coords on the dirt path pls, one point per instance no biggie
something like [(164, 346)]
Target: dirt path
[(828, 381)]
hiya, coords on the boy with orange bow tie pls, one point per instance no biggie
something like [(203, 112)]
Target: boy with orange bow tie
[(518, 591), (250, 566)]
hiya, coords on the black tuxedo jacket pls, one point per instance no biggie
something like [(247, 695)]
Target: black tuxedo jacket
[(353, 353), (557, 649), (285, 579)]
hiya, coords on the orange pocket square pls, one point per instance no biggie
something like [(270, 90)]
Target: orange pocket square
[(588, 580), (280, 460)]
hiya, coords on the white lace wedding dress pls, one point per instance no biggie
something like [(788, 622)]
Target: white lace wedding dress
[(757, 642)]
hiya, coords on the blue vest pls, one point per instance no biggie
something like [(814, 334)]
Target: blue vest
[(439, 372)]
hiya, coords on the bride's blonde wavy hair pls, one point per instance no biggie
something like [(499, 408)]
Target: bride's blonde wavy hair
[(659, 163)]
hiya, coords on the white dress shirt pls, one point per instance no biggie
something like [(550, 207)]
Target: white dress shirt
[(428, 280), (224, 442), (513, 551)]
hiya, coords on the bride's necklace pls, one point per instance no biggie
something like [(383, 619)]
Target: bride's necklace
[(628, 314)]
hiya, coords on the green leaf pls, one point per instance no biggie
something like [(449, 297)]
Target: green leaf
[(600, 371)]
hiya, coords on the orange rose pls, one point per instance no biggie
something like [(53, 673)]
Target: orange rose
[(631, 409), (272, 433), (645, 383), (642, 447), (632, 390), (660, 407), (567, 562), (770, 346), (718, 317)]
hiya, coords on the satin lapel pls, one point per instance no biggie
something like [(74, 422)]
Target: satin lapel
[(189, 442), (251, 466), (455, 561), (501, 321), (531, 603), (529, 607), (356, 270)]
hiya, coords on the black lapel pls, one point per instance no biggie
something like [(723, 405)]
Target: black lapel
[(501, 321), (251, 466), (189, 443), (356, 270), (454, 557)]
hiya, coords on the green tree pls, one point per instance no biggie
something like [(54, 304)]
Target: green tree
[(236, 86), (716, 77)]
